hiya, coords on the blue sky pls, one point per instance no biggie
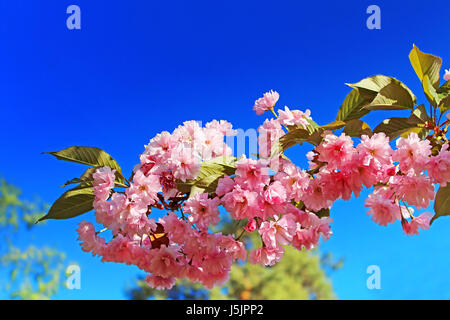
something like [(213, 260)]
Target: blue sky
[(138, 68)]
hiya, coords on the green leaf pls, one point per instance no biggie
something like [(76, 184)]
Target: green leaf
[(442, 202), (357, 128), (312, 126), (72, 203), (430, 91), (426, 64), (389, 93), (90, 156), (334, 125), (292, 138), (210, 173), (395, 127), (352, 107), (419, 115), (443, 94)]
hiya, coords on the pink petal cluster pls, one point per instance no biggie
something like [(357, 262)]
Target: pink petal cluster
[(447, 75), (267, 102), (422, 222), (297, 118), (283, 204)]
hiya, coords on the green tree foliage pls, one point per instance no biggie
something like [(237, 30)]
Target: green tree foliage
[(34, 272)]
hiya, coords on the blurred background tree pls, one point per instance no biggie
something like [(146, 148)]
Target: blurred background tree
[(34, 272), (301, 275)]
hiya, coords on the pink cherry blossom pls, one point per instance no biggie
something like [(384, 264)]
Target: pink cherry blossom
[(422, 222), (280, 231), (269, 133), (177, 229), (241, 203), (336, 151), (280, 202), (383, 209), (447, 75), (294, 180), (224, 186), (160, 283), (439, 166), (267, 102), (375, 150), (294, 117), (251, 225), (415, 189), (90, 241), (184, 162), (144, 188), (266, 256), (274, 200), (252, 174), (203, 210), (164, 262), (412, 153), (103, 182)]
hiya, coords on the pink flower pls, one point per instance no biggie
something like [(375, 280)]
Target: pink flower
[(375, 150), (203, 211), (242, 203), (164, 262), (422, 222), (309, 229), (412, 152), (274, 200), (90, 241), (178, 230), (266, 256), (213, 144), (251, 225), (417, 190), (269, 132), (222, 126), (278, 232), (252, 174), (336, 151), (169, 184), (103, 182), (224, 186), (161, 145), (160, 283), (439, 166), (144, 188), (190, 134), (267, 102), (235, 248), (294, 180), (315, 196), (447, 75), (294, 117), (184, 162), (383, 209)]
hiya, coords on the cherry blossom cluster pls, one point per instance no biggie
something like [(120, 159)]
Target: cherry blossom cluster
[(282, 204)]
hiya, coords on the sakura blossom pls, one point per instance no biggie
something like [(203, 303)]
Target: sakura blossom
[(447, 75), (266, 103), (191, 175)]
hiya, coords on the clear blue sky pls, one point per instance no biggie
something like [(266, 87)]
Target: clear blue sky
[(140, 67)]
